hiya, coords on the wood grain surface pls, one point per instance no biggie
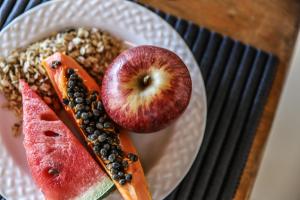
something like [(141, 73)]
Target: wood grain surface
[(271, 25)]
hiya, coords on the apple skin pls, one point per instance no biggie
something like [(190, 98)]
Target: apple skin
[(146, 88)]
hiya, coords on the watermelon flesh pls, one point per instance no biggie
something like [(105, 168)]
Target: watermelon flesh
[(58, 162)]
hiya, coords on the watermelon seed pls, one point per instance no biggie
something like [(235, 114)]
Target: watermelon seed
[(51, 134), (48, 117), (53, 171), (50, 150)]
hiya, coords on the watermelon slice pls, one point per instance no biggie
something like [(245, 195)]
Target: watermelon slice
[(58, 162)]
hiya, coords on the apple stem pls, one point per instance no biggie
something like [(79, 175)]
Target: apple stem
[(146, 80)]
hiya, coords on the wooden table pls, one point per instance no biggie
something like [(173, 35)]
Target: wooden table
[(271, 25)]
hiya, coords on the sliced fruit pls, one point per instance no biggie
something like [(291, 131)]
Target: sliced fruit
[(80, 95), (58, 162)]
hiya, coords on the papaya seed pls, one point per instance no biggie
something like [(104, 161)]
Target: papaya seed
[(128, 177), (122, 181), (55, 64), (65, 101), (115, 177)]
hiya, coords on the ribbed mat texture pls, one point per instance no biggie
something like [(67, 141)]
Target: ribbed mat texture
[(238, 78)]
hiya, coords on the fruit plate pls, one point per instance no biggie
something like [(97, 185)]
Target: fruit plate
[(166, 156)]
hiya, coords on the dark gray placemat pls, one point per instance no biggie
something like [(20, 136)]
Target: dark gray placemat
[(238, 78)]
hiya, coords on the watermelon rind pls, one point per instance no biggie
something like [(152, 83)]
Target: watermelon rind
[(97, 191)]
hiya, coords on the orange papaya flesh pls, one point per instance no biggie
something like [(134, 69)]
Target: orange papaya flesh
[(80, 95)]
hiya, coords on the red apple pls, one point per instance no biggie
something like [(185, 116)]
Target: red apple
[(146, 88)]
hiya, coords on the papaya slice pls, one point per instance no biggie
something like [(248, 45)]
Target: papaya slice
[(112, 147)]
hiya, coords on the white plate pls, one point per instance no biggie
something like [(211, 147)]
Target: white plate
[(166, 156)]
